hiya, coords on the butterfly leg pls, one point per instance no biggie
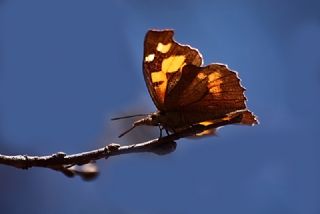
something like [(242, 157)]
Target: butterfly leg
[(192, 127), (160, 128)]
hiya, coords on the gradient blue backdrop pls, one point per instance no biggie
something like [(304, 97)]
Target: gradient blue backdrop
[(67, 66)]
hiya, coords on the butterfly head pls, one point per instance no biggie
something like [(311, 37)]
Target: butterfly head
[(150, 120)]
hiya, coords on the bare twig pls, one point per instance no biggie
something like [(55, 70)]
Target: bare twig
[(64, 163)]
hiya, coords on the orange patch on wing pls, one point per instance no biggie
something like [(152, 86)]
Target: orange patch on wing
[(214, 82), (163, 48), (171, 64), (158, 76), (201, 76), (206, 132), (161, 79)]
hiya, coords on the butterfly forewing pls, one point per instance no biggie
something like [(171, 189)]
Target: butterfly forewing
[(163, 63)]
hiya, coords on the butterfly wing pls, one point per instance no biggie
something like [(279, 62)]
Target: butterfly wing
[(177, 82), (209, 93), (244, 117), (163, 62)]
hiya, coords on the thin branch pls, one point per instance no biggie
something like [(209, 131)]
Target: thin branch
[(64, 163)]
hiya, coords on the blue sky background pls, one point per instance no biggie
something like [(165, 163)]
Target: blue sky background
[(66, 67)]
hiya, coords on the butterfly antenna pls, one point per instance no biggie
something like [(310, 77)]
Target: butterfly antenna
[(130, 116), (127, 131)]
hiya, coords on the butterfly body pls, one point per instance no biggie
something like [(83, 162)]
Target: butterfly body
[(171, 121)]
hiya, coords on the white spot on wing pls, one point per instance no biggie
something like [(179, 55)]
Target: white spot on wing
[(149, 58)]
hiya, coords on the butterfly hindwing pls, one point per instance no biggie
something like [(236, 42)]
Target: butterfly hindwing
[(209, 92)]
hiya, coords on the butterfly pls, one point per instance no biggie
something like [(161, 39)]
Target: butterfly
[(184, 91)]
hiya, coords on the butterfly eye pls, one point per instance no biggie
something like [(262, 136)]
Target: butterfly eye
[(155, 117)]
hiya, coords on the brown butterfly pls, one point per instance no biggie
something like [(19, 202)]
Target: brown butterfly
[(185, 92)]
